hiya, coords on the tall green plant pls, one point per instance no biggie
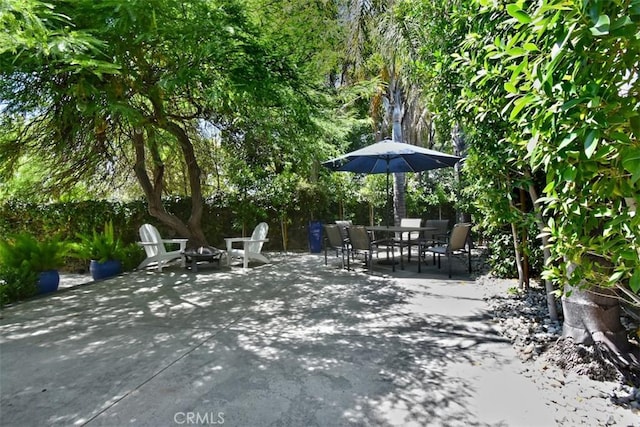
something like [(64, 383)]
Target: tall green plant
[(101, 246), (22, 258), (465, 93), (24, 250), (572, 74), (17, 283), (558, 82)]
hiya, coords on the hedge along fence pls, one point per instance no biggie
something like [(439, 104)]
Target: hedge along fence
[(67, 220), (220, 219)]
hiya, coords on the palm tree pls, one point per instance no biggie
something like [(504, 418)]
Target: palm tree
[(378, 48)]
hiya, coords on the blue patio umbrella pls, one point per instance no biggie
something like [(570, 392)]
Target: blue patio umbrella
[(391, 157)]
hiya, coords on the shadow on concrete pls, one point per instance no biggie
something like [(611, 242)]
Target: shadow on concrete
[(289, 343)]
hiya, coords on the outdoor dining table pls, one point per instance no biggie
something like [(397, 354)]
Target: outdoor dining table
[(392, 230)]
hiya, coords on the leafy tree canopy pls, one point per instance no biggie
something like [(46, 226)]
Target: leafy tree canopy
[(98, 87)]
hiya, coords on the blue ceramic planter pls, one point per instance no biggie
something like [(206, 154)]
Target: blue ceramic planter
[(48, 281), (104, 270)]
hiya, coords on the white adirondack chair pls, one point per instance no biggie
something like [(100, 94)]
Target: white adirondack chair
[(251, 246), (154, 246)]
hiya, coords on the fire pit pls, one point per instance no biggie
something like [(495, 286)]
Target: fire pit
[(204, 254)]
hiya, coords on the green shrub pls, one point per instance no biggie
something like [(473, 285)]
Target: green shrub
[(22, 257), (106, 245), (133, 255), (25, 251), (502, 258), (69, 219), (100, 246), (17, 283)]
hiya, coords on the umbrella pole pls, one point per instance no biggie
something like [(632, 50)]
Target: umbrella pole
[(387, 216), (388, 209)]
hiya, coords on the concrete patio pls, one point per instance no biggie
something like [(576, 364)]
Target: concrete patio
[(291, 343)]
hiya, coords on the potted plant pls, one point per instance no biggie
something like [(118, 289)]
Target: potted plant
[(104, 251), (25, 252)]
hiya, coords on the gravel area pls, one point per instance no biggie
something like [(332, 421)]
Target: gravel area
[(580, 388)]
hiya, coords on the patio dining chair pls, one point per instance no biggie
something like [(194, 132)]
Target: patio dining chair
[(334, 240), (343, 226), (439, 235), (457, 243), (361, 243), (408, 238)]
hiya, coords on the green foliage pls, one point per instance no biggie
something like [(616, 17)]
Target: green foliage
[(548, 95), (23, 250), (17, 283), (572, 84), (68, 219), (502, 254), (437, 29), (22, 258), (100, 246), (463, 91), (373, 191), (132, 255), (432, 195), (513, 291), (147, 89)]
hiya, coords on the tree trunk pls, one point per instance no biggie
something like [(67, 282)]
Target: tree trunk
[(459, 146), (593, 315), (524, 242), (285, 234), (548, 285), (399, 205), (194, 224), (371, 215), (516, 248), (153, 191), (519, 245)]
